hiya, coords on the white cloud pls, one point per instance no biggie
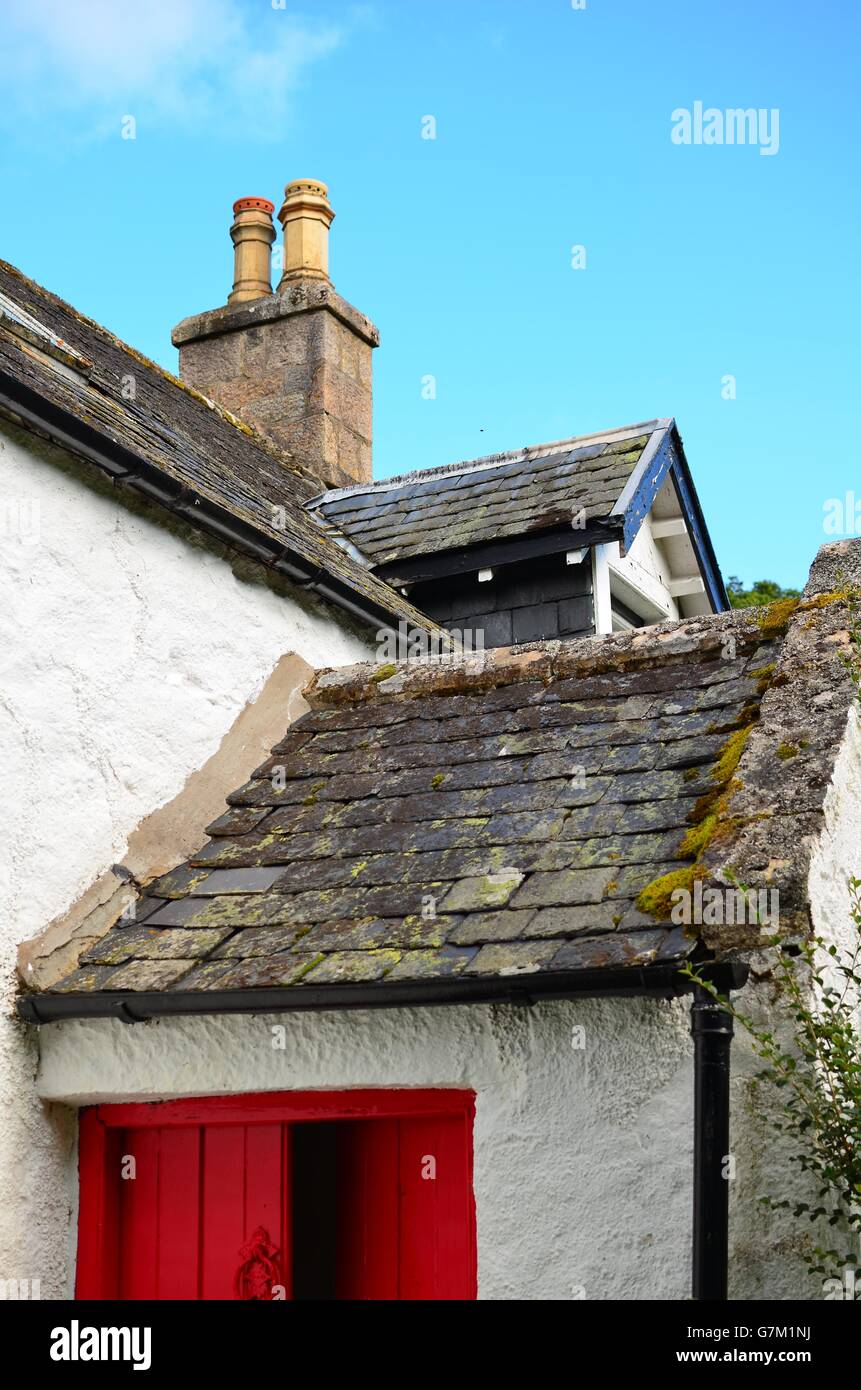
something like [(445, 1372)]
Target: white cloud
[(228, 64)]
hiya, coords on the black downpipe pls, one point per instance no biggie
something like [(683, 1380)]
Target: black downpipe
[(711, 1028)]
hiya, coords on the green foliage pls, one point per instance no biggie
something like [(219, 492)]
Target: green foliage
[(763, 592), (818, 1075)]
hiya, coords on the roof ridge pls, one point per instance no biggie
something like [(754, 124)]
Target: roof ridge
[(464, 671)]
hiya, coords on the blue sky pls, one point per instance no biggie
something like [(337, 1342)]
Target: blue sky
[(553, 130)]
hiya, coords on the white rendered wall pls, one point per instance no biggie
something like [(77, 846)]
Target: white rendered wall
[(126, 654), (582, 1155)]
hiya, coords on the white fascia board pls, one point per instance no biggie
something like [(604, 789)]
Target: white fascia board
[(601, 602)]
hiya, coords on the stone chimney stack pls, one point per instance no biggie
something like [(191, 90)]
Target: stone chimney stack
[(295, 364)]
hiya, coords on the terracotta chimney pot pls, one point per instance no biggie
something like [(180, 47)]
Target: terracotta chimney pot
[(252, 234)]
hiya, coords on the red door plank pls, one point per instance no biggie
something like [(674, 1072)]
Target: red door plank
[(178, 1213), (266, 1192), (222, 1210), (98, 1215), (367, 1243), (436, 1217), (138, 1246)]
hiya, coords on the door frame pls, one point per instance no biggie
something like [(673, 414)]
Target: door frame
[(100, 1127)]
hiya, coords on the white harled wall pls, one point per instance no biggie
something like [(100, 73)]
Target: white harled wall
[(127, 651)]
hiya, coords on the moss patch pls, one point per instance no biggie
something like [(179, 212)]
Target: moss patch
[(764, 675), (699, 836), (786, 751), (709, 820), (311, 798), (382, 673), (774, 620), (657, 896), (730, 755)]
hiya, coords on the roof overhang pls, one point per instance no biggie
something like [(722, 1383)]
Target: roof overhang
[(664, 456), (414, 569)]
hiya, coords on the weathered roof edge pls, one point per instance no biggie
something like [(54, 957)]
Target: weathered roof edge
[(546, 660), (765, 829), (283, 457), (664, 456)]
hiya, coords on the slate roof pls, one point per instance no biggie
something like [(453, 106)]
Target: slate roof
[(507, 820), (505, 496), (165, 438)]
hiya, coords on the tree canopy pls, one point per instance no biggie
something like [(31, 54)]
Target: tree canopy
[(762, 592)]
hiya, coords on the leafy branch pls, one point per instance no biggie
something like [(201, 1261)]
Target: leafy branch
[(818, 1073)]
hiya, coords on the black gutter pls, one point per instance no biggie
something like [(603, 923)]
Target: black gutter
[(123, 466), (711, 1029), (663, 981), (657, 981)]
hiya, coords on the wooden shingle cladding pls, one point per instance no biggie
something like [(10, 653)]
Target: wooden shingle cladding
[(543, 598), (438, 830)]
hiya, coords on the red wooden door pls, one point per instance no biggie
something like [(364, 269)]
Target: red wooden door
[(193, 1199)]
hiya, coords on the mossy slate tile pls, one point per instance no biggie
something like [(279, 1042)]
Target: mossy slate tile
[(176, 883), (595, 918), (514, 958), (236, 910), (181, 943), (88, 979), (149, 975), (260, 941), (272, 972), (236, 821), (633, 948), (352, 967), (484, 891), (479, 927), (431, 965), (119, 944), (569, 886)]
